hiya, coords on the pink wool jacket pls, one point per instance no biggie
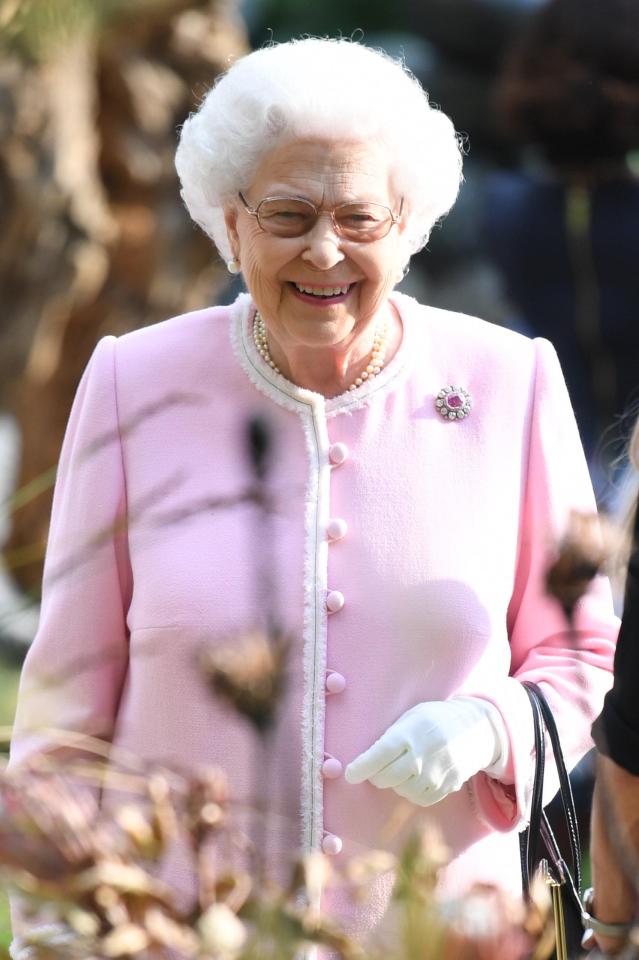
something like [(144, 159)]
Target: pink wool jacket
[(436, 584)]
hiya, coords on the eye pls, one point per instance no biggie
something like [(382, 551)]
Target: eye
[(361, 216), (293, 215), (286, 211)]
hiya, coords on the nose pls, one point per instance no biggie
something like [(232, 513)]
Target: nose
[(323, 246)]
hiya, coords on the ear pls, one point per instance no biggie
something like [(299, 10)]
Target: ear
[(403, 223), (230, 221)]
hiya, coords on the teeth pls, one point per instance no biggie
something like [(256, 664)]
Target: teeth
[(323, 291)]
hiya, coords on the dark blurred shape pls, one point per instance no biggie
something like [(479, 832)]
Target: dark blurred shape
[(259, 442), (571, 85), (95, 240), (585, 549), (249, 673), (467, 40), (564, 228), (471, 38)]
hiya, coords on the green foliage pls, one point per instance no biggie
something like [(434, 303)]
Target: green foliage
[(5, 928), (9, 677), (35, 27)]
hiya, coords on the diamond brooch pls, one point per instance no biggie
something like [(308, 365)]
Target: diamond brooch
[(453, 403)]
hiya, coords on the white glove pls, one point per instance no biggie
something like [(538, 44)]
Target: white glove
[(434, 748)]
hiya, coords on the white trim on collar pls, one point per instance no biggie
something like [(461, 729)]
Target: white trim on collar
[(288, 394)]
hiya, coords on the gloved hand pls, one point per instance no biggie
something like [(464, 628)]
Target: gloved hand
[(434, 748)]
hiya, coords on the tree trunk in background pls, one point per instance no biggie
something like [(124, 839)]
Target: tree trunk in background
[(95, 239)]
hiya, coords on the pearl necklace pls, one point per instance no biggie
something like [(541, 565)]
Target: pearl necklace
[(375, 361)]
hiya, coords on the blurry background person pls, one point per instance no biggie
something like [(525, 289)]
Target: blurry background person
[(615, 813), (422, 462), (564, 230)]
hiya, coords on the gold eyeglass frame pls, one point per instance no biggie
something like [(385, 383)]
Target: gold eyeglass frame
[(255, 212)]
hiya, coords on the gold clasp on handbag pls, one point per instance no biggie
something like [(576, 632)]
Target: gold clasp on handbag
[(555, 886)]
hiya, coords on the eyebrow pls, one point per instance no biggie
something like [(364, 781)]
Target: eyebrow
[(294, 195)]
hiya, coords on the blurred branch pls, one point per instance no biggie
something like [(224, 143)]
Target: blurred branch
[(95, 239)]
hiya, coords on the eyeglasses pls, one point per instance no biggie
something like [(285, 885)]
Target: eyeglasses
[(360, 221)]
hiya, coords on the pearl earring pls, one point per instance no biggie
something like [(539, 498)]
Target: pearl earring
[(233, 266)]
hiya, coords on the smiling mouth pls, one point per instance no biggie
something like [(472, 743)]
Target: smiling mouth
[(323, 293)]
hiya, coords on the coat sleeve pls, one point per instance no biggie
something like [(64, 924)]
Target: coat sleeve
[(73, 674), (74, 671), (572, 666)]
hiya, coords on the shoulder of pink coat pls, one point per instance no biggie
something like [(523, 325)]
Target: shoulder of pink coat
[(181, 331), (461, 341), (188, 353)]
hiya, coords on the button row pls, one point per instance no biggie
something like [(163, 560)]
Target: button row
[(336, 529)]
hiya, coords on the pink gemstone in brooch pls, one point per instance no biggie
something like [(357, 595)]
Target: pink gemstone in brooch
[(453, 403)]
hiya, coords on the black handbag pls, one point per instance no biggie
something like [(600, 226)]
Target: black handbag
[(538, 846)]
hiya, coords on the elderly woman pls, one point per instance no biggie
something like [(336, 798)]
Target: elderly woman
[(423, 464)]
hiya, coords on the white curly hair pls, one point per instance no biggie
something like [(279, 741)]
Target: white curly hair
[(329, 89)]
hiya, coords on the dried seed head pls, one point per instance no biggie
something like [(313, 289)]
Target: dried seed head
[(312, 874), (222, 932), (47, 825), (538, 907), (111, 880), (207, 802), (418, 865), (84, 922), (363, 870), (167, 932), (137, 829), (584, 550), (249, 673), (127, 940), (234, 889)]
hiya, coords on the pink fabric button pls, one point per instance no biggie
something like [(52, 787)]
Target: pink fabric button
[(335, 682), (335, 601), (331, 845), (337, 453), (336, 529), (331, 768)]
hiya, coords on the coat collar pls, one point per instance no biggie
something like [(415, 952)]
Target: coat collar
[(287, 394)]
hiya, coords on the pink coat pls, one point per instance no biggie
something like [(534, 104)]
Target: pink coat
[(449, 527)]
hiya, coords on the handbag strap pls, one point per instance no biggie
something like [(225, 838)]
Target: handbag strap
[(539, 829), (565, 788), (528, 837)]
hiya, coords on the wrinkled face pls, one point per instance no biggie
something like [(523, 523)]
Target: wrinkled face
[(274, 268)]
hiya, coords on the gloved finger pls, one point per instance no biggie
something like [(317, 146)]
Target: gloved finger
[(397, 772), (414, 791), (376, 758)]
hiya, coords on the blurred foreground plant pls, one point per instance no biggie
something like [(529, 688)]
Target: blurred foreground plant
[(587, 548), (95, 871), (95, 867)]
